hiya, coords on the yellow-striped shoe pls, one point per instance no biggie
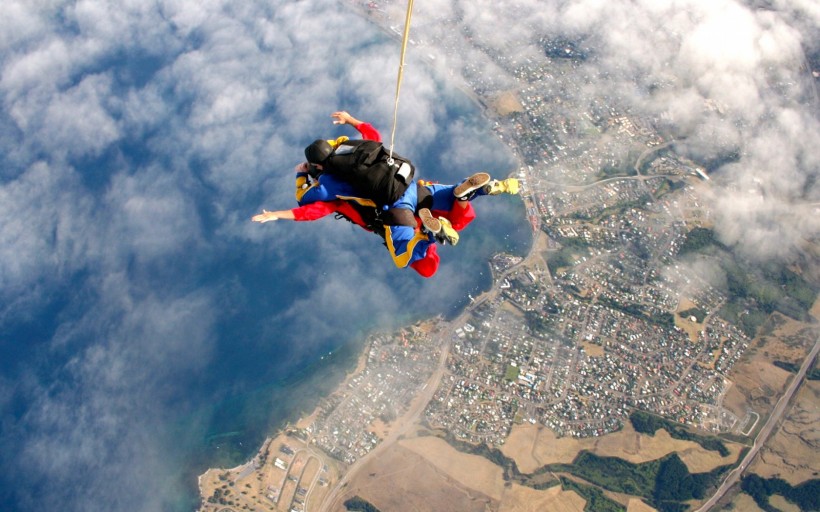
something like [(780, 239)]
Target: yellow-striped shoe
[(508, 186), (448, 234), (467, 189)]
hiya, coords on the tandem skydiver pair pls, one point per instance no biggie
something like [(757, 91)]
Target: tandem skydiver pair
[(370, 186)]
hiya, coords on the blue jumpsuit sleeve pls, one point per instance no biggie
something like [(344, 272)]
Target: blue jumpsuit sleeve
[(317, 192), (328, 188)]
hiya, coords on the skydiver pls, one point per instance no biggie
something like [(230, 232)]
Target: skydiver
[(425, 213), (448, 213)]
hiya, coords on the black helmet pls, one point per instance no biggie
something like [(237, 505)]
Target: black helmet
[(318, 152)]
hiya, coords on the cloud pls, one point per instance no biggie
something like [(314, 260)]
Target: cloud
[(94, 436), (732, 79), (137, 139)]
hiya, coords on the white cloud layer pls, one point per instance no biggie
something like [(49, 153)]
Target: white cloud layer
[(137, 138)]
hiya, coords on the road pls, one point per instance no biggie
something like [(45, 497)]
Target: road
[(403, 425), (410, 418), (765, 432)]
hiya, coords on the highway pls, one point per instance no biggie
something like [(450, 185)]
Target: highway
[(733, 477)]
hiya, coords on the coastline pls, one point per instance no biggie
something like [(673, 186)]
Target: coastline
[(296, 438), (210, 480), (292, 448)]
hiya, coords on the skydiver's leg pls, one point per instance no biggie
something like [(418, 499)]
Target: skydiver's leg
[(481, 184), (439, 226), (428, 265), (407, 245), (459, 213), (408, 200), (471, 186)]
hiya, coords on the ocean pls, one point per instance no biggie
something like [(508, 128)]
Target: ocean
[(257, 394), (148, 329)]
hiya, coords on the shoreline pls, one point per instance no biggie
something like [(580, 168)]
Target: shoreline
[(335, 471), (256, 461)]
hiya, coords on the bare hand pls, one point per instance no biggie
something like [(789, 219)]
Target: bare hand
[(342, 117), (265, 216)]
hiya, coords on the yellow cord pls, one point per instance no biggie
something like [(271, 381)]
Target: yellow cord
[(401, 71)]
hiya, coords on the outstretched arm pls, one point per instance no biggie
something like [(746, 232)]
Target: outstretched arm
[(367, 130), (342, 117), (306, 212), (267, 216)]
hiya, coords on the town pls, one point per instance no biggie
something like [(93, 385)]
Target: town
[(575, 340), (605, 316)]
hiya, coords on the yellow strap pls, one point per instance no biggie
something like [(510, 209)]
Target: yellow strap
[(401, 71), (302, 186), (358, 200), (334, 143)]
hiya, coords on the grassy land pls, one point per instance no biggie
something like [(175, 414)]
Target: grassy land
[(646, 423)]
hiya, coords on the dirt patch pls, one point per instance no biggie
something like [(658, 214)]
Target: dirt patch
[(507, 103), (636, 505), (689, 326), (744, 503), (592, 349), (524, 499), (401, 479), (380, 428), (533, 446), (471, 471), (791, 454)]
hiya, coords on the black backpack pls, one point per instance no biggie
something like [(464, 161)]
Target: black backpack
[(367, 166)]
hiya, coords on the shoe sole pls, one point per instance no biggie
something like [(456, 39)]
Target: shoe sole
[(474, 182), (432, 224)]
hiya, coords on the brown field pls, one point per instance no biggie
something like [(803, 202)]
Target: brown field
[(427, 474), (507, 103), (744, 503), (815, 310), (471, 471), (401, 479), (792, 453), (756, 384), (523, 499), (689, 327), (592, 349), (636, 505), (786, 339), (533, 446), (780, 503)]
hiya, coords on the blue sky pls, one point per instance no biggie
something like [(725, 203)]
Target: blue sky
[(137, 138)]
